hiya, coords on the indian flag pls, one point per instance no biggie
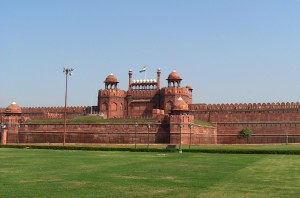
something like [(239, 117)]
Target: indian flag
[(143, 69)]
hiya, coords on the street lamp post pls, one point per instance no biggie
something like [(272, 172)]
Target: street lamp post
[(3, 133), (67, 72), (180, 125), (190, 126), (148, 126), (135, 126), (18, 135)]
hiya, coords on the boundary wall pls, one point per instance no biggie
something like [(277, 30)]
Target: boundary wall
[(109, 134), (50, 112), (270, 122)]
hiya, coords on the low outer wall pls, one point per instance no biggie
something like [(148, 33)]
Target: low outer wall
[(49, 112), (196, 135), (270, 123), (204, 135), (262, 133), (111, 134), (91, 133)]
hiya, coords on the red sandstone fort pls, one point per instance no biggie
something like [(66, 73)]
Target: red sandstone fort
[(170, 106)]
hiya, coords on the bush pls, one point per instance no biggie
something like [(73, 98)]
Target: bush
[(245, 133)]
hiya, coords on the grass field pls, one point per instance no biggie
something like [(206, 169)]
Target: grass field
[(52, 173)]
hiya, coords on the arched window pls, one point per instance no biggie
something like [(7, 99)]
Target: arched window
[(114, 106), (104, 107)]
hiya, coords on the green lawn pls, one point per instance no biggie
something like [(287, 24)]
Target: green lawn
[(203, 123), (52, 173)]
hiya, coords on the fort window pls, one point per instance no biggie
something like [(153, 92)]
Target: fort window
[(113, 106), (104, 107)]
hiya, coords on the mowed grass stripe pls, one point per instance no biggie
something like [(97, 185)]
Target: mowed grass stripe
[(271, 176), (53, 173)]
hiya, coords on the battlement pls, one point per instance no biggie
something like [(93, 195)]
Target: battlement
[(50, 109), (143, 93), (175, 90), (249, 106), (112, 92)]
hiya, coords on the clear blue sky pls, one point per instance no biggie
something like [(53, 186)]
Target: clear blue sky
[(230, 51)]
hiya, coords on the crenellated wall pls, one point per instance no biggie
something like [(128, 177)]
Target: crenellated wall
[(143, 93), (245, 106), (140, 103), (270, 122), (275, 112), (111, 102), (112, 92), (50, 112), (170, 94)]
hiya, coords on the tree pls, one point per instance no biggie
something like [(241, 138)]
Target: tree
[(245, 133)]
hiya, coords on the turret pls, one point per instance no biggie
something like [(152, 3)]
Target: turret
[(111, 99), (174, 79), (111, 82), (158, 78), (130, 79)]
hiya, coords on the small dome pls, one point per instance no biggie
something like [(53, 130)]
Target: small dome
[(13, 109), (111, 78), (189, 87), (174, 76), (180, 105)]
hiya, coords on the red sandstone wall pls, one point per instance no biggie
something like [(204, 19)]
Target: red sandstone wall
[(140, 103), (247, 112), (195, 136), (204, 135), (261, 133), (269, 122), (111, 134), (92, 133), (250, 106), (51, 112)]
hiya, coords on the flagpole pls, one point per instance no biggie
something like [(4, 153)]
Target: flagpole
[(145, 74)]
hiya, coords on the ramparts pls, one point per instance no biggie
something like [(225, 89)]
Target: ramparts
[(143, 93), (51, 112), (108, 133), (245, 106), (270, 122), (112, 92)]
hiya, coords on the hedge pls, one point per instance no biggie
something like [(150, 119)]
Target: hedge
[(128, 149)]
